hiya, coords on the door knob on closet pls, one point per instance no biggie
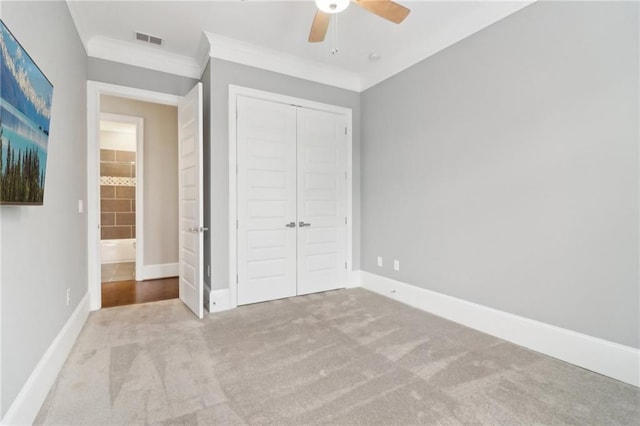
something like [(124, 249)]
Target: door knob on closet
[(291, 225), (302, 224)]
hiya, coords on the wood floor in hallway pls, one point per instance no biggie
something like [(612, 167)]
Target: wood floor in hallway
[(119, 293)]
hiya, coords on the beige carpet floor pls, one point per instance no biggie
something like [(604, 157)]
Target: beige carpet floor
[(344, 357)]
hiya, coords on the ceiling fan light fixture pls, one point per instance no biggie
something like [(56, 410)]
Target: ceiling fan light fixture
[(332, 6)]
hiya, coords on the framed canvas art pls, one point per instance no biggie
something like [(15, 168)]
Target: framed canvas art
[(25, 114)]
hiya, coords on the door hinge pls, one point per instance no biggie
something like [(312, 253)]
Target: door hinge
[(345, 220), (345, 265), (345, 130)]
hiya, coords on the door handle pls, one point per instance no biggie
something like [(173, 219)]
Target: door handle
[(197, 229), (301, 224), (291, 225)]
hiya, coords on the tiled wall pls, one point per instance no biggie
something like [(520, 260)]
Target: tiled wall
[(117, 194)]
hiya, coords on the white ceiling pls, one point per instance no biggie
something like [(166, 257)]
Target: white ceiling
[(280, 28)]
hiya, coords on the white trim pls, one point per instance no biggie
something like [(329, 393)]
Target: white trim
[(349, 117), (233, 198), (203, 55), (218, 300), (229, 49), (0, 302), (234, 93), (94, 90), (162, 270), (145, 56), (139, 238), (241, 52), (355, 279), (25, 407), (608, 358), (638, 177), (76, 15), (93, 196)]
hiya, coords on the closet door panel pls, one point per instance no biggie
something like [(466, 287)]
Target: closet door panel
[(321, 200), (266, 141)]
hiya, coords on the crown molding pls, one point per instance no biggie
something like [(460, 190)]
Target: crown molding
[(204, 55), (454, 33), (74, 11), (130, 53), (217, 46), (232, 50), (145, 57)]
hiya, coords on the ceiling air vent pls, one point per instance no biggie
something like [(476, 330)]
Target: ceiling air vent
[(148, 38)]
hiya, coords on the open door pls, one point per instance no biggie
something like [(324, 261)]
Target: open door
[(190, 210)]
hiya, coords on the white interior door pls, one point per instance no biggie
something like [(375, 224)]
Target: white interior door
[(322, 201), (190, 207), (266, 228)]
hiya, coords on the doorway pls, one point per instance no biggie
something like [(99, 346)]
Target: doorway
[(136, 246), (121, 215), (174, 248), (132, 271)]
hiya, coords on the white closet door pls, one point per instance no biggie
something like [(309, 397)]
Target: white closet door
[(322, 207), (266, 137)]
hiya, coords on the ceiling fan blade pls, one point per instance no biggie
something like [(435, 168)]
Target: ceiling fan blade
[(319, 26), (386, 9)]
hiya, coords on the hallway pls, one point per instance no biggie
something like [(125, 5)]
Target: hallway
[(131, 292)]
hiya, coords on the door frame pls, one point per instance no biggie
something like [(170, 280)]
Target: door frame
[(94, 90), (234, 93), (139, 123)]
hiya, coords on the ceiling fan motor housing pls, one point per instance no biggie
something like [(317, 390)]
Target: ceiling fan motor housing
[(332, 6)]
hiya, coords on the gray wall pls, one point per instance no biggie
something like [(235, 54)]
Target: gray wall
[(504, 169), (160, 172), (140, 78), (224, 73), (44, 248)]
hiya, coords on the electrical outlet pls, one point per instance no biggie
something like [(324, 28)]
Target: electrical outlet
[(380, 261), (396, 265), (68, 296)]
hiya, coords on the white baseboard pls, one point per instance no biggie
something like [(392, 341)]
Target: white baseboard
[(355, 279), (25, 407), (602, 356), (165, 270), (219, 300)]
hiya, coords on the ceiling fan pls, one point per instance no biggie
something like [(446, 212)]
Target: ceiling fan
[(386, 9)]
